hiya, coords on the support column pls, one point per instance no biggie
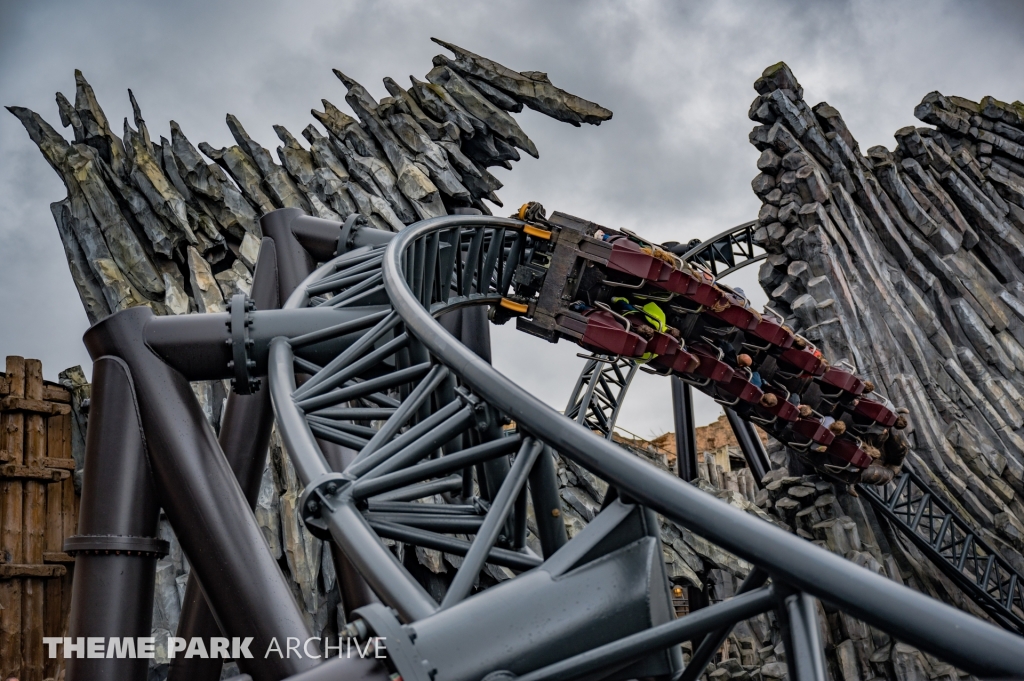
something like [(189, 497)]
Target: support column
[(686, 436), (113, 587), (204, 502), (244, 437), (750, 444)]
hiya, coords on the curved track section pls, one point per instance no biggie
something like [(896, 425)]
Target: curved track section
[(407, 414), (602, 384)]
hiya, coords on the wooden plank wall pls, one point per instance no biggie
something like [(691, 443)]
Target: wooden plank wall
[(38, 511)]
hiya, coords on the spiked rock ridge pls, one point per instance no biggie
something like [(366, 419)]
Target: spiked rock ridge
[(157, 224), (138, 209)]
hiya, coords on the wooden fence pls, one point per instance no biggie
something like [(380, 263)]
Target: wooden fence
[(38, 510)]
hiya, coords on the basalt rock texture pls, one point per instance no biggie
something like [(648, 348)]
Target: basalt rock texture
[(175, 226), (908, 263)]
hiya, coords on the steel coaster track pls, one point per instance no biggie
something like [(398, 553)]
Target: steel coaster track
[(950, 543), (931, 524), (602, 385), (600, 391), (440, 410), (733, 248)]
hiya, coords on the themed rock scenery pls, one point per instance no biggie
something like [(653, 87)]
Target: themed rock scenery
[(175, 226), (156, 223), (906, 262)]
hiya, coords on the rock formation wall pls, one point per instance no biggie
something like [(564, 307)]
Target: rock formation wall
[(153, 222), (174, 226), (908, 263)]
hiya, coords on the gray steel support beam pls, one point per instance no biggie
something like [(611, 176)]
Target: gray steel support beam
[(686, 442), (113, 591), (244, 437), (805, 656), (201, 496), (750, 444), (714, 640)]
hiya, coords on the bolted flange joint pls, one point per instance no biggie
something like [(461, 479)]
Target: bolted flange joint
[(239, 322)]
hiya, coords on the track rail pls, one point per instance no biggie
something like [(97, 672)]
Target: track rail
[(441, 431), (950, 543), (875, 599), (599, 392), (733, 249)]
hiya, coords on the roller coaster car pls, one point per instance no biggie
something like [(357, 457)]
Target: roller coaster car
[(737, 314), (594, 266), (711, 367), (622, 254), (803, 361), (776, 334), (680, 361), (783, 409), (601, 331), (741, 388), (840, 379), (848, 449), (813, 431), (875, 411), (662, 344), (695, 285)]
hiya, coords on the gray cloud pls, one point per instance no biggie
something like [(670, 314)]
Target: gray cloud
[(674, 162)]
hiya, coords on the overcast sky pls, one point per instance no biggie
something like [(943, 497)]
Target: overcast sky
[(673, 163)]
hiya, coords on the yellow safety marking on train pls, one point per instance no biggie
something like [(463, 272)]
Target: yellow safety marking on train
[(508, 304)]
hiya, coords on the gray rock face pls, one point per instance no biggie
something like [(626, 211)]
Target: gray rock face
[(175, 227), (532, 88), (137, 209), (914, 262)]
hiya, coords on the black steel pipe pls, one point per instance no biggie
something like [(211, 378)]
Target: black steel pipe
[(727, 613), (429, 509), (686, 442), (493, 522), (458, 547), (113, 591), (547, 504), (435, 467), (407, 410), (199, 492), (389, 579), (199, 346), (363, 466), (714, 640), (423, 489), (455, 524), (804, 654), (426, 443), (750, 445), (320, 403), (244, 437)]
